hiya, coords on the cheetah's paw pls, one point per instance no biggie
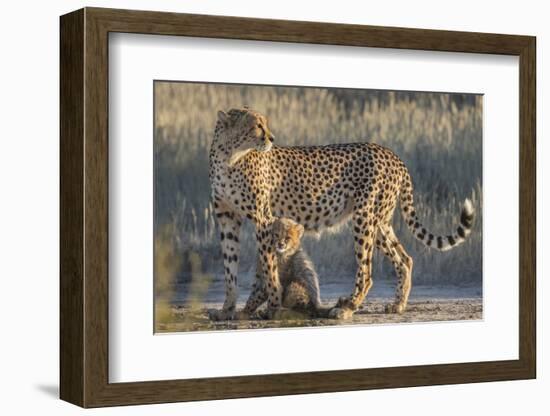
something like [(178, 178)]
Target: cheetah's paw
[(340, 313), (397, 308), (222, 315)]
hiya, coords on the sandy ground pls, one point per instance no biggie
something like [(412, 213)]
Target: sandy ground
[(420, 310)]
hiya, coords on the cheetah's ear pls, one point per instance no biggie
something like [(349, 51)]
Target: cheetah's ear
[(300, 230), (224, 118)]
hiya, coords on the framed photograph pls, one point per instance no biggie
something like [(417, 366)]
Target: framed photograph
[(256, 207)]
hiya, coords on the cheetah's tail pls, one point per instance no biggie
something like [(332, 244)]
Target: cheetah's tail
[(439, 242)]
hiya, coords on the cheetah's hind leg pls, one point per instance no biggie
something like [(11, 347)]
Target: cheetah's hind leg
[(402, 264), (364, 236)]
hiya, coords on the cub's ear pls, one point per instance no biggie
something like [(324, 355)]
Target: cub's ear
[(300, 230), (223, 117)]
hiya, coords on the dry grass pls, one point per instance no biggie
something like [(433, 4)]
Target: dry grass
[(439, 136)]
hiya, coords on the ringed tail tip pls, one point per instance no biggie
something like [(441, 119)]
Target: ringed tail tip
[(468, 207), (467, 215)]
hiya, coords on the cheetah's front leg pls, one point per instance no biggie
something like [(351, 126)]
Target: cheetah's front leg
[(268, 267), (258, 294), (230, 225)]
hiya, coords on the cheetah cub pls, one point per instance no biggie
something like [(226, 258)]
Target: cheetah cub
[(297, 275)]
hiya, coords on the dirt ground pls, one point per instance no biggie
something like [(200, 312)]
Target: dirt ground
[(182, 319)]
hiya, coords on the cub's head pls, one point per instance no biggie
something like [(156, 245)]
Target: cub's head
[(244, 130), (286, 235)]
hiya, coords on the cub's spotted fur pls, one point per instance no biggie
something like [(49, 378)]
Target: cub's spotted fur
[(318, 187)]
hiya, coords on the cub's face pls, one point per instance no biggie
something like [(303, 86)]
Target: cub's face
[(287, 235), (246, 130)]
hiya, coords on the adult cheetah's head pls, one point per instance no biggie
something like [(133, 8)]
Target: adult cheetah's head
[(245, 130)]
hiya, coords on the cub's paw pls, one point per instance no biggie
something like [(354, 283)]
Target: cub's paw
[(340, 313), (345, 303), (278, 314), (285, 314), (395, 308), (222, 315), (262, 314), (242, 316), (275, 313), (257, 315)]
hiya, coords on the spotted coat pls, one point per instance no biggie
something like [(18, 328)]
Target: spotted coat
[(318, 187)]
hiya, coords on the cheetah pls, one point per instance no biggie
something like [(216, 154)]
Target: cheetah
[(297, 275), (318, 187)]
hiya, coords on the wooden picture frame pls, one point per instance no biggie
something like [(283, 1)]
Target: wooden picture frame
[(84, 207)]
